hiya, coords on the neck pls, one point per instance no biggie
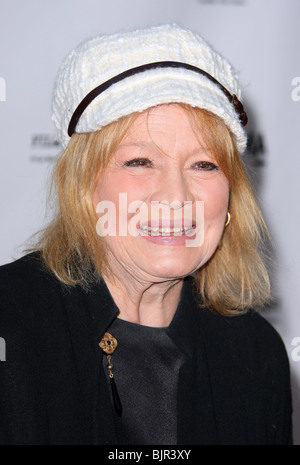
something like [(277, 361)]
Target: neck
[(145, 303)]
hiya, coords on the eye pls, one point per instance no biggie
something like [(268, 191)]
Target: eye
[(205, 166), (139, 162)]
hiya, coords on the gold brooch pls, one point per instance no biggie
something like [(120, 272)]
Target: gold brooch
[(108, 343)]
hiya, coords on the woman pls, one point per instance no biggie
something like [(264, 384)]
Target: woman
[(132, 322)]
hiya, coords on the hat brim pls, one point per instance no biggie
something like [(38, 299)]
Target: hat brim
[(155, 87)]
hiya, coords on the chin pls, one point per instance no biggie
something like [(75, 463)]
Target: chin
[(170, 269)]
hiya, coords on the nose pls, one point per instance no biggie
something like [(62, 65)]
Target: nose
[(173, 189)]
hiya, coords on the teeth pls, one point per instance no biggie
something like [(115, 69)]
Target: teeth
[(158, 231)]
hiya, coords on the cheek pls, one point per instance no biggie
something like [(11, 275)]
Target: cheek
[(216, 201), (113, 185), (110, 191), (107, 189)]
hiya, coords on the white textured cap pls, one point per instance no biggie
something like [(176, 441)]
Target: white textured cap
[(101, 58)]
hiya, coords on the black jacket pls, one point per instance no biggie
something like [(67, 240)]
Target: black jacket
[(234, 388)]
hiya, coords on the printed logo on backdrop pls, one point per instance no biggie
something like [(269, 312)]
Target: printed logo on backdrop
[(2, 90), (255, 151), (44, 148)]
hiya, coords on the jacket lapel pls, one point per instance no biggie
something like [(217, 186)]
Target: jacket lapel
[(196, 418), (89, 314), (217, 404)]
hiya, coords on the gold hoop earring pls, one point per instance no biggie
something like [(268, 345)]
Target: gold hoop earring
[(228, 219)]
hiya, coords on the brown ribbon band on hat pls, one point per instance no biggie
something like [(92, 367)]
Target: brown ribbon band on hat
[(139, 69)]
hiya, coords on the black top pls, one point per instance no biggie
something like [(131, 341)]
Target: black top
[(233, 388), (146, 366)]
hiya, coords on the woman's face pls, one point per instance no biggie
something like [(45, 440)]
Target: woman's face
[(162, 200)]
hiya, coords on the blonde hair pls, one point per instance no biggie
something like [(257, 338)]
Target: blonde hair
[(232, 281), (236, 278)]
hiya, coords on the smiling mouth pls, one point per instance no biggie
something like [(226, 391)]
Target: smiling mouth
[(160, 231)]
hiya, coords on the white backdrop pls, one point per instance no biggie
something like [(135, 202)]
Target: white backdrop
[(260, 37)]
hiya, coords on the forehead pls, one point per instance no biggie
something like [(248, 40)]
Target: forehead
[(165, 124)]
